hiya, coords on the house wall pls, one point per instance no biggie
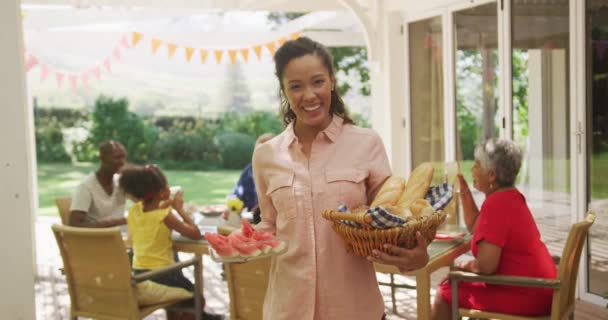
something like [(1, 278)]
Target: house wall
[(16, 172)]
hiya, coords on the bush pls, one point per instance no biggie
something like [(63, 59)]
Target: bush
[(112, 120), (187, 145), (64, 117), (236, 149), (49, 142), (253, 124)]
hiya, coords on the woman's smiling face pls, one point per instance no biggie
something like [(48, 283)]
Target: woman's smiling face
[(307, 85)]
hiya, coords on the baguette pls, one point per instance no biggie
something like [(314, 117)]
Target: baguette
[(389, 192), (420, 207), (417, 185)]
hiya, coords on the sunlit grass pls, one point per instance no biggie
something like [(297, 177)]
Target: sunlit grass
[(200, 187)]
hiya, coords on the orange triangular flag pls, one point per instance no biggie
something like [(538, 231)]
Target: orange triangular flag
[(271, 47), (232, 54), (282, 40), (136, 37), (155, 44), (172, 47), (204, 54), (245, 54), (189, 53), (294, 35), (258, 51), (218, 55)]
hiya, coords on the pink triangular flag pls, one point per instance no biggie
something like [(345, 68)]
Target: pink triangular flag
[(124, 42), (73, 81), (59, 77), (30, 63), (44, 72), (116, 53), (97, 72), (84, 78), (108, 64)]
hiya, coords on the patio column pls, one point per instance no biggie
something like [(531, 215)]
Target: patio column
[(382, 29), (17, 167)]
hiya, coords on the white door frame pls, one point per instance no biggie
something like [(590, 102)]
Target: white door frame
[(578, 136)]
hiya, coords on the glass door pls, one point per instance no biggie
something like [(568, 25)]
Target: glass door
[(476, 80), (541, 113), (597, 142), (426, 90)]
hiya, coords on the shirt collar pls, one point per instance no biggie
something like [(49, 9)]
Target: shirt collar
[(332, 132)]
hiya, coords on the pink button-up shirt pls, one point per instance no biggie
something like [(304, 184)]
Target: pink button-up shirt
[(316, 278)]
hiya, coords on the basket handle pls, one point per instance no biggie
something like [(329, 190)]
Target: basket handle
[(362, 218)]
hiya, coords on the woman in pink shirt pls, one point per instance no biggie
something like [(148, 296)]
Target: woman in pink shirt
[(319, 161)]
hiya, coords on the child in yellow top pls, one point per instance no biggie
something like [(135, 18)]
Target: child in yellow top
[(150, 222)]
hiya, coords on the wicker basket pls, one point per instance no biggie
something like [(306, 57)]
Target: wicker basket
[(362, 241)]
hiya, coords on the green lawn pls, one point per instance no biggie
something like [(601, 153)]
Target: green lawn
[(200, 187)]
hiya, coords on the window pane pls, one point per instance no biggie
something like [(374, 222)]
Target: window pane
[(541, 114), (476, 84), (597, 130), (426, 88)]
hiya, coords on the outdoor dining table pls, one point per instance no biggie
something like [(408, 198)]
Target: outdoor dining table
[(442, 253)]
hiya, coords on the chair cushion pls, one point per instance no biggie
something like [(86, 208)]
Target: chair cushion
[(149, 292)]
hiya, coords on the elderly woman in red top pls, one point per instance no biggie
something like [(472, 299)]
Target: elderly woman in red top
[(506, 240)]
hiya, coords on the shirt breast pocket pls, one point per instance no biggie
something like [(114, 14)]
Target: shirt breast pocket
[(348, 185), (282, 194)]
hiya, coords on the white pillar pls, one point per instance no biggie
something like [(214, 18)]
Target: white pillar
[(17, 167)]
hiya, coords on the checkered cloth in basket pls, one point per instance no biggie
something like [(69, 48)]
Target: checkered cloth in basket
[(438, 196)]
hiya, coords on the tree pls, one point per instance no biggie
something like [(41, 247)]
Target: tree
[(236, 95), (111, 119)]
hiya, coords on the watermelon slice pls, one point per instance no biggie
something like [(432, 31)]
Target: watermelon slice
[(221, 245), (260, 235), (245, 249), (246, 228), (276, 245)]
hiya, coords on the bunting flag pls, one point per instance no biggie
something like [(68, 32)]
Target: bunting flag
[(271, 47), (79, 78), (245, 54), (44, 72), (189, 53), (258, 51), (97, 72), (124, 42), (204, 54), (136, 38), (73, 80), (30, 63), (172, 47), (232, 53), (59, 77), (116, 53), (156, 43), (218, 55), (108, 64)]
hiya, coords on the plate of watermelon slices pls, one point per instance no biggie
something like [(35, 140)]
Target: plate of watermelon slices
[(246, 245)]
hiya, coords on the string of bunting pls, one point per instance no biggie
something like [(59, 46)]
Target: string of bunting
[(219, 54), (76, 78)]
